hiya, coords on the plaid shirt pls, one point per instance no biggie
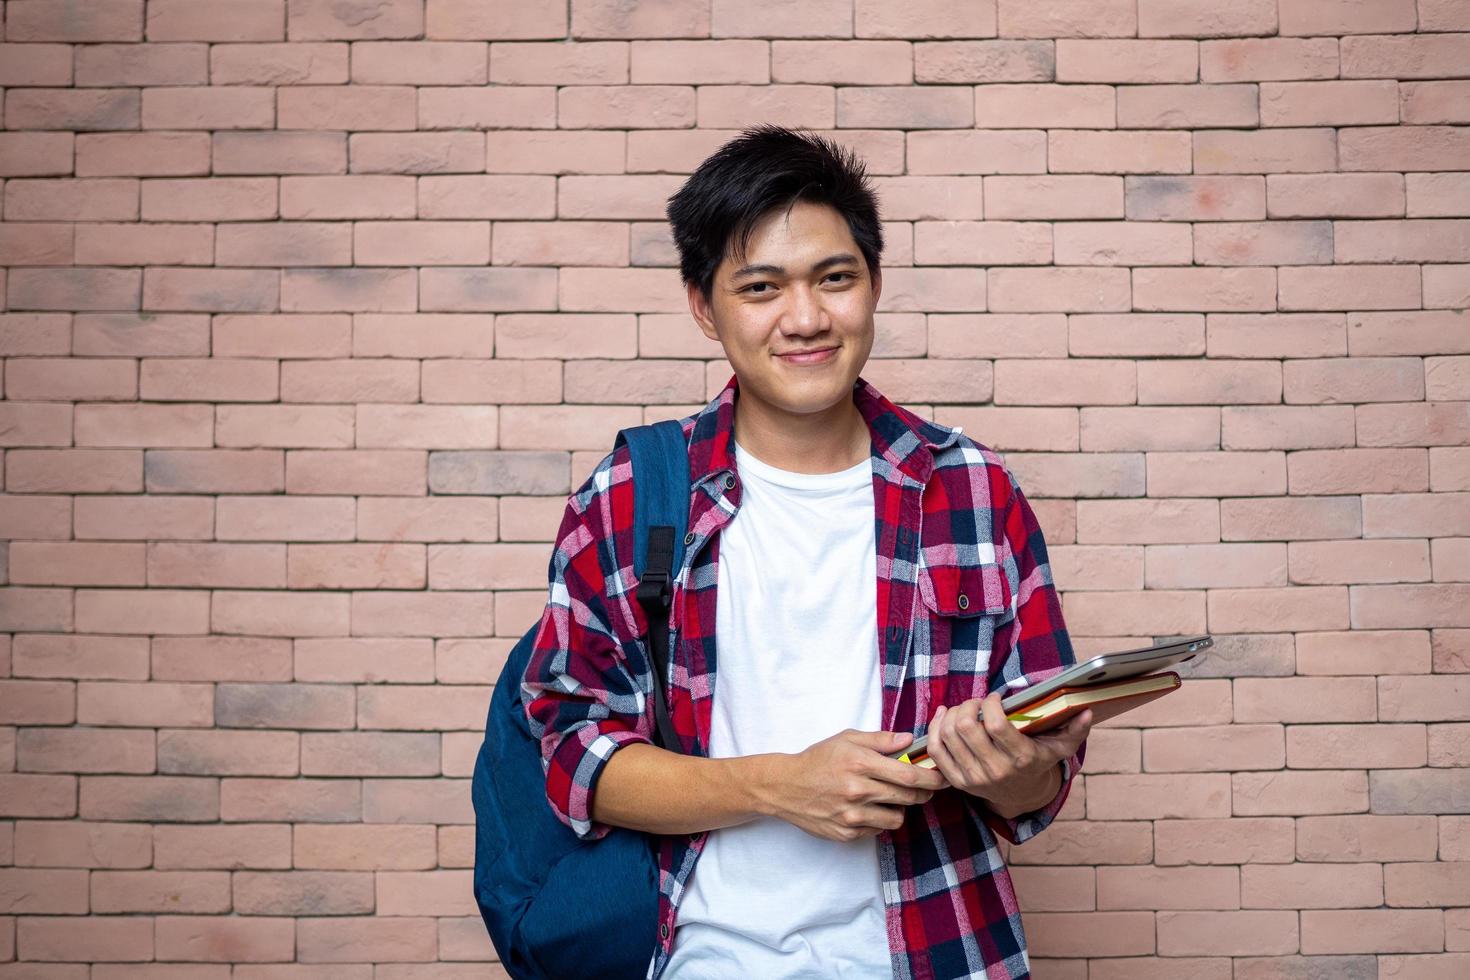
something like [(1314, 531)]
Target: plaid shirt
[(965, 605)]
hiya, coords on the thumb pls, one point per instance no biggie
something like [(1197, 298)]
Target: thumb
[(883, 741)]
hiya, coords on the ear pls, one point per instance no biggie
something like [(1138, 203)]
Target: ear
[(699, 307)]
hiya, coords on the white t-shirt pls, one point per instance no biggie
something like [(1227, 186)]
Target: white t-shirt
[(796, 639)]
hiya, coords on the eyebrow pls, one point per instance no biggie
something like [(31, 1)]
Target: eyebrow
[(766, 269)]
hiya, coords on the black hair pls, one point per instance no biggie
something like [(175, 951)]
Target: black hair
[(762, 169)]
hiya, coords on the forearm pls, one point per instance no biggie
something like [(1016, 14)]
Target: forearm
[(647, 788), (1029, 797)]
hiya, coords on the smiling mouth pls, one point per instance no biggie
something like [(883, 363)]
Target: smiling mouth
[(816, 356)]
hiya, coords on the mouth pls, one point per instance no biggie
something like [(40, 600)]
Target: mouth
[(819, 355)]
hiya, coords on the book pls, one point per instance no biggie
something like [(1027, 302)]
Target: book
[(1107, 700)]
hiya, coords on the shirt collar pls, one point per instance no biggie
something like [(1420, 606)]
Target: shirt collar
[(905, 440)]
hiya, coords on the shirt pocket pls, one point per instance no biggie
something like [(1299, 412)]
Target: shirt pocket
[(964, 604)]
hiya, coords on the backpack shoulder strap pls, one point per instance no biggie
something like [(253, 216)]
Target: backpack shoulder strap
[(660, 518)]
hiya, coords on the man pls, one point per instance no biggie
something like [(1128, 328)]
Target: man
[(861, 575)]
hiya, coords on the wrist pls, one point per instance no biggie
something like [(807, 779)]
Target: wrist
[(1030, 797), (757, 779)]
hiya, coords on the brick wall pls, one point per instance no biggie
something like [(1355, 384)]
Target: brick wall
[(316, 310)]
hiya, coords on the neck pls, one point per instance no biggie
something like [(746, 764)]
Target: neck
[(820, 442)]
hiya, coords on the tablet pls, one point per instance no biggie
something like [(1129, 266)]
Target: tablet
[(1102, 668), (1113, 667)]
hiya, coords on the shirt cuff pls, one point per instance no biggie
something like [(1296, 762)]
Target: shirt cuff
[(1023, 827), (576, 765)]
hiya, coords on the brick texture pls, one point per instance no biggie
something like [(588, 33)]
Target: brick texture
[(313, 311)]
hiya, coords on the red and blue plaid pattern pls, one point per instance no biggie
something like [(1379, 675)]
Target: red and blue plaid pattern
[(965, 605)]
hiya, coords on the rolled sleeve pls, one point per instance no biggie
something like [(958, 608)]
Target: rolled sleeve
[(583, 700), (1031, 646)]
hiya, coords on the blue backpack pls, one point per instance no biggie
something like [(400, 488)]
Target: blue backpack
[(558, 906)]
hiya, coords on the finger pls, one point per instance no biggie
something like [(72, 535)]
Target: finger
[(1003, 735), (877, 816), (943, 762), (1064, 742), (884, 742), (960, 727)]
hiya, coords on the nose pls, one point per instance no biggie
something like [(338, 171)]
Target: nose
[(804, 316)]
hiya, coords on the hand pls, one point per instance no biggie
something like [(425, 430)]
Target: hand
[(980, 751), (845, 787)]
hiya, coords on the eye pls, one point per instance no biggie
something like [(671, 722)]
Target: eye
[(752, 288), (849, 275)]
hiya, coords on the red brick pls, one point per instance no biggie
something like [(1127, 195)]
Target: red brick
[(549, 152), (483, 107), (1377, 746), (1205, 289), (728, 106), (217, 753), (286, 244), (279, 153), (1255, 243), (35, 64), (1196, 18), (348, 380), (302, 893), (1126, 61), (54, 844), (374, 107), (149, 798), (296, 800), (416, 152), (1295, 608), (763, 18), (161, 891), (1403, 148), (352, 472), (226, 939), (323, 20), (422, 335), (77, 109), (50, 892), (1287, 427), (1197, 381), (84, 750), (280, 613), (439, 801), (32, 795), (36, 154), (384, 940), (1360, 471), (553, 63), (978, 61), (66, 199), (1357, 562), (1413, 424), (209, 199), (77, 289), (823, 62), (1291, 519), (498, 19), (34, 243), (101, 657), (421, 242), (215, 20), (370, 754), (364, 660), (48, 610), (477, 289), (1195, 198), (1066, 18), (1363, 652), (115, 938), (284, 426), (296, 63), (339, 566), (1215, 566), (1372, 931), (281, 518), (199, 107), (151, 704), (424, 892), (222, 846)]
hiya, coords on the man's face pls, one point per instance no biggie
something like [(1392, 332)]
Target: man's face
[(795, 313)]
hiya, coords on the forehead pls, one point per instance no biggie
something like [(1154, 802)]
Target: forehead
[(807, 231)]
